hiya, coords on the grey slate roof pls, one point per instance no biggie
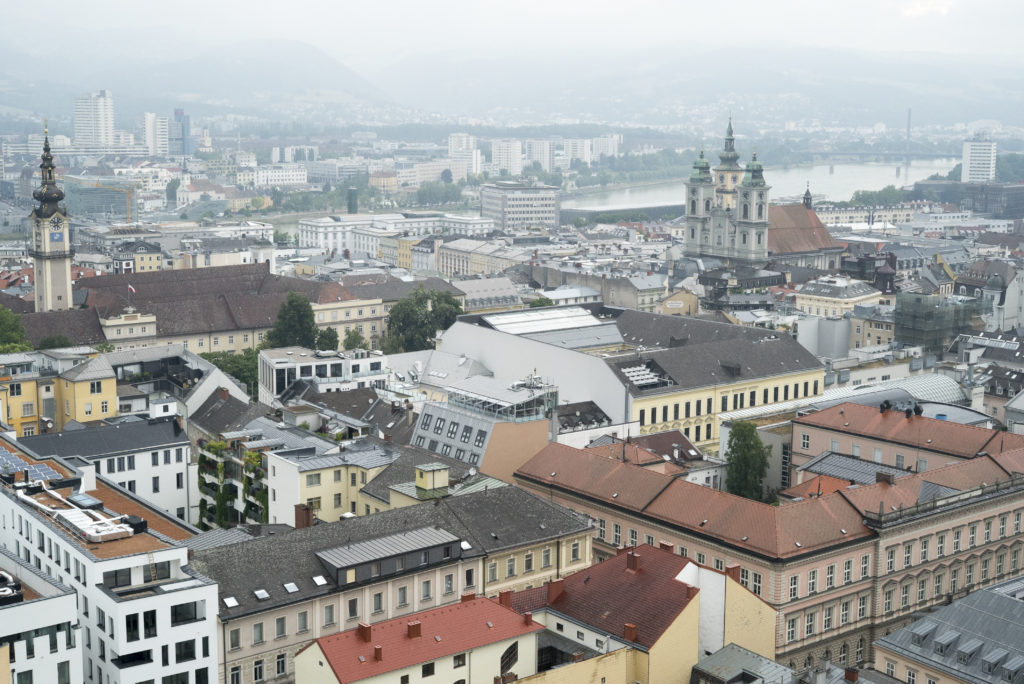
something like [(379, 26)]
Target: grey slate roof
[(987, 624), (403, 469), (109, 440), (490, 521), (849, 468), (731, 662), (216, 416)]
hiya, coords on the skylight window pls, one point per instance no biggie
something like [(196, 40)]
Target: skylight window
[(291, 587), (261, 594), (230, 602), (319, 580)]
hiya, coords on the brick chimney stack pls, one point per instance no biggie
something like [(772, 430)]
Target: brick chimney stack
[(629, 632), (378, 653), (633, 561), (555, 589), (505, 598), (413, 630), (365, 632)]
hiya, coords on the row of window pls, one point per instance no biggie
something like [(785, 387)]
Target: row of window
[(738, 400), (453, 429), (956, 539)]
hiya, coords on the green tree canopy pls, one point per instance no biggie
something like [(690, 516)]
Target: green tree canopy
[(12, 333), (54, 342), (541, 301), (241, 365), (414, 320), (746, 461), (295, 325), (327, 339), (354, 340)]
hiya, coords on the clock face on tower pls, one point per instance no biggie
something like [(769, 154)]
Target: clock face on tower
[(56, 222)]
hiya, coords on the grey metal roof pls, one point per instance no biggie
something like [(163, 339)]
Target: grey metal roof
[(987, 625), (94, 369), (580, 338), (385, 547), (366, 453), (731, 661), (109, 440), (849, 468)]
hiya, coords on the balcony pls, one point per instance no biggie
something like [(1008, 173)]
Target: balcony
[(132, 659)]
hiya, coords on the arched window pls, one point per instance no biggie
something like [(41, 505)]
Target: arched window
[(693, 233), (746, 211), (510, 657), (707, 205), (842, 654), (760, 211), (744, 237), (693, 206), (760, 236), (718, 240)]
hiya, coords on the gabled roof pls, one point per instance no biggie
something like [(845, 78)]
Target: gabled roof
[(609, 595), (444, 631), (931, 434), (795, 229), (109, 440), (81, 326)]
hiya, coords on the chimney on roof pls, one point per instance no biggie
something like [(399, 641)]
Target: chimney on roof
[(303, 516), (223, 393), (577, 657), (629, 632), (468, 596), (851, 674), (885, 477), (528, 618), (413, 630), (733, 571), (378, 653), (505, 598), (633, 561), (365, 632), (666, 546), (555, 589), (387, 438)]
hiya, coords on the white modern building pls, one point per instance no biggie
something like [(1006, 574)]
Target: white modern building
[(280, 369), (339, 232), (507, 155), (280, 174), (144, 615), (460, 142), (979, 161), (154, 131), (542, 151), (514, 205), (606, 145), (40, 637), (578, 148), (94, 119)]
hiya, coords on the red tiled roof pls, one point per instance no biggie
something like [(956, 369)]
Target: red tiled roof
[(771, 531), (816, 486), (460, 626), (609, 595), (795, 229), (931, 434)]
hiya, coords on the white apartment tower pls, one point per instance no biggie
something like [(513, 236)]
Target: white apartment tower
[(94, 119), (542, 151), (607, 145), (577, 148), (155, 133), (507, 155), (460, 142), (979, 161)]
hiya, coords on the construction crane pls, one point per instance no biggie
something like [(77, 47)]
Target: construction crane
[(96, 184)]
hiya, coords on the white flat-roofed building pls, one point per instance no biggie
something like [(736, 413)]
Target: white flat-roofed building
[(542, 151), (144, 615), (507, 155), (979, 161), (281, 368), (40, 638), (281, 174), (519, 205), (339, 231)]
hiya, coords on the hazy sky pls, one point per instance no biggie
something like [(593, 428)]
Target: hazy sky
[(368, 34)]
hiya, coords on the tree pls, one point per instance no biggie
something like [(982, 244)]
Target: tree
[(327, 339), (282, 237), (54, 342), (541, 301), (242, 366), (256, 203), (746, 461), (295, 325), (354, 340), (414, 320), (12, 333), (446, 176)]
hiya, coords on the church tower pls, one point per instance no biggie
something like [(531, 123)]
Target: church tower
[(51, 241), (728, 172), (700, 191), (752, 213)]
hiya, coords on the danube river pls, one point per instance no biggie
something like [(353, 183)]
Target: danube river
[(836, 182)]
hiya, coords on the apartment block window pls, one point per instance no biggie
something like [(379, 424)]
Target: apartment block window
[(844, 612), (528, 563), (794, 586), (805, 441), (353, 608), (922, 590), (972, 536), (257, 671), (156, 484), (601, 529), (280, 626), (616, 534), (425, 590), (510, 567), (827, 618), (328, 615), (924, 550), (545, 558), (865, 566), (378, 602), (908, 554), (809, 619), (449, 584), (1002, 526), (492, 572), (812, 581), (847, 571), (574, 551), (830, 576), (257, 633), (281, 665), (937, 590), (403, 597), (956, 541), (313, 480), (467, 432), (1016, 522), (234, 640), (632, 537), (954, 580), (96, 387), (988, 531), (984, 569), (481, 435), (236, 674), (179, 479), (890, 560), (905, 596), (425, 422), (887, 603), (453, 429), (791, 630), (756, 586), (862, 607)]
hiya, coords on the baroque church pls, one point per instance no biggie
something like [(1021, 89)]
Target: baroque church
[(728, 216), (51, 249)]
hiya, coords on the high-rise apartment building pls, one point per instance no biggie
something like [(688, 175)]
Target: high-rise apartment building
[(979, 161), (519, 205), (155, 134), (180, 134), (542, 151), (460, 142), (94, 119), (577, 148), (606, 145), (507, 155)]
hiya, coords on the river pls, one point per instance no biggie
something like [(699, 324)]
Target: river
[(835, 182)]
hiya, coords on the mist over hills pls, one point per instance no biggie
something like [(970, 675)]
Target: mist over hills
[(290, 80)]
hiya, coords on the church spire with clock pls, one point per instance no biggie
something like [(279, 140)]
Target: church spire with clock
[(51, 241)]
